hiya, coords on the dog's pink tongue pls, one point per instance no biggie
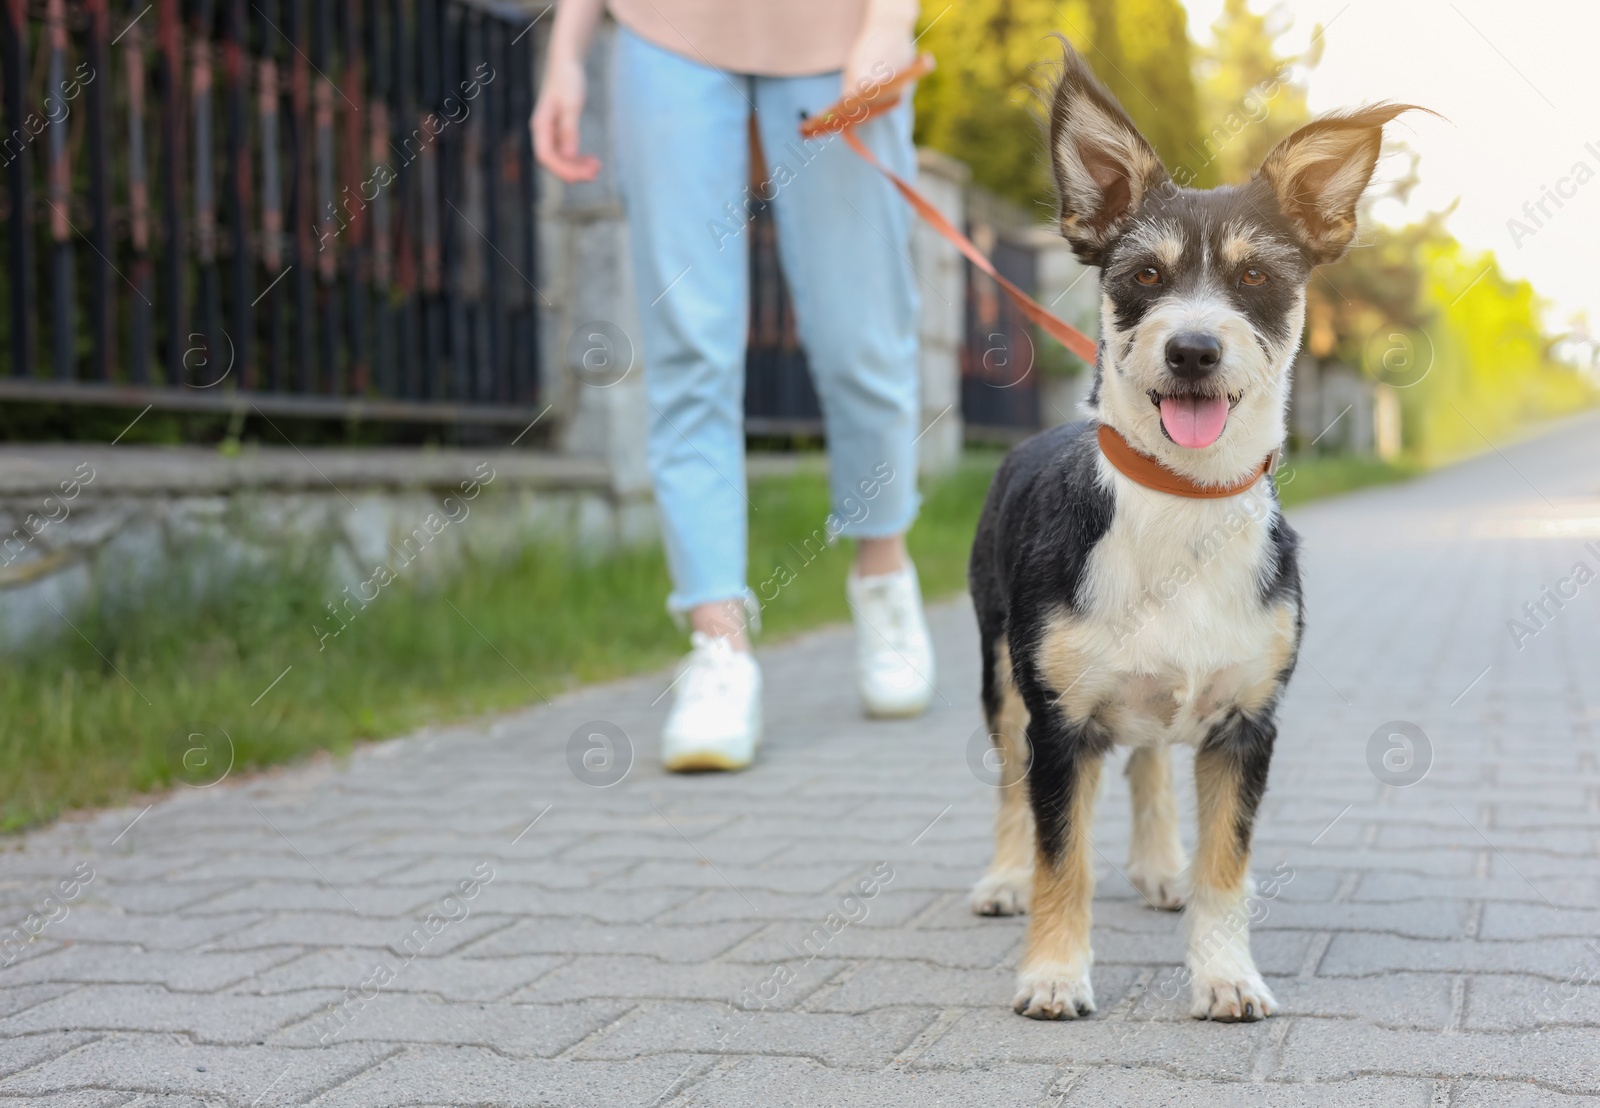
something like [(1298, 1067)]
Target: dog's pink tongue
[(1194, 421)]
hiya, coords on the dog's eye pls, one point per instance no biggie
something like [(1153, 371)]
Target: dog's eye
[(1149, 275), (1253, 276)]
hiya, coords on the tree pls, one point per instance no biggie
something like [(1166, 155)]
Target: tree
[(1250, 95), (1140, 49), (982, 104)]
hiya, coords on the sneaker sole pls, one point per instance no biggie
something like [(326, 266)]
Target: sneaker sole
[(699, 761), (895, 709), (908, 712)]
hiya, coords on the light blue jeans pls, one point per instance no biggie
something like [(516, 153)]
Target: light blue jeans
[(843, 234)]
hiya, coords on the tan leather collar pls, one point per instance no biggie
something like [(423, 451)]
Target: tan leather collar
[(1145, 470)]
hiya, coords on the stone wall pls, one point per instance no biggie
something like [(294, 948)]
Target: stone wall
[(105, 524)]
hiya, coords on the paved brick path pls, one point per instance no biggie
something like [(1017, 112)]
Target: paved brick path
[(404, 930)]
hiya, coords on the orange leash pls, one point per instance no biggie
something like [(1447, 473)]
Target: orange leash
[(1053, 325), (844, 116)]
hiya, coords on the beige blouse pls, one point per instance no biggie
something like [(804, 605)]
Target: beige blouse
[(773, 38)]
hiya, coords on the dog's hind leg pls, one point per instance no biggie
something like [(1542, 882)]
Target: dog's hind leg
[(1053, 979), (1155, 853), (1004, 889), (1230, 771)]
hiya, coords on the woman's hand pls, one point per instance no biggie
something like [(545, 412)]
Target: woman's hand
[(883, 47), (555, 123), (555, 117)]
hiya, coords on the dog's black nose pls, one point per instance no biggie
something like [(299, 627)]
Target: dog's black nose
[(1193, 353)]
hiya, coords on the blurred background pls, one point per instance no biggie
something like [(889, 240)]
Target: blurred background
[(321, 413)]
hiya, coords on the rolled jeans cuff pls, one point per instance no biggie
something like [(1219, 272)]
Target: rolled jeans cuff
[(680, 607)]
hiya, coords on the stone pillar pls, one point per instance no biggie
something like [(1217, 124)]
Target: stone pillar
[(1305, 401), (1386, 422), (941, 281), (593, 363), (1344, 420), (1363, 433), (1071, 290)]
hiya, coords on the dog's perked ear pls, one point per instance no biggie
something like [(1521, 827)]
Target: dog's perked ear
[(1319, 173), (1104, 168)]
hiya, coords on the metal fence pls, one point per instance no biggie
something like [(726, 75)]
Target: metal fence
[(999, 387), (307, 207), (779, 397)]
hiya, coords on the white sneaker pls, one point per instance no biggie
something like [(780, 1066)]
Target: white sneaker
[(894, 652), (715, 722)]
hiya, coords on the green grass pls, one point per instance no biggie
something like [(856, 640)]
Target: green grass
[(1311, 478), (84, 725)]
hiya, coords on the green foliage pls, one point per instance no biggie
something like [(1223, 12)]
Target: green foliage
[(1140, 49), (982, 104), (1464, 345), (979, 104), (1250, 98), (1470, 359), (1490, 369), (1375, 290)]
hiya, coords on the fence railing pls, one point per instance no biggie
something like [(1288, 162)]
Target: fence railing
[(779, 397), (309, 207), (999, 382)]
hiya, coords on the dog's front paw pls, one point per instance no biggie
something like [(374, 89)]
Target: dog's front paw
[(1002, 892), (1054, 991), (1160, 890), (1239, 998)]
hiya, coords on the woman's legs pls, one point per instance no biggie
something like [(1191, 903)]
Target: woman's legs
[(844, 239), (683, 155), (877, 556), (844, 243)]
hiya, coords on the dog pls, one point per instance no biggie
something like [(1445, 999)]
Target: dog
[(1134, 579)]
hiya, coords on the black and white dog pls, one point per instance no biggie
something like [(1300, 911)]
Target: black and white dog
[(1135, 582)]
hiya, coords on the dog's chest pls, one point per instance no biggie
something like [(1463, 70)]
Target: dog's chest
[(1172, 631)]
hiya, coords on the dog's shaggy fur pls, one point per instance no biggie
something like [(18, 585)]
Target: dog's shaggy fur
[(1112, 614)]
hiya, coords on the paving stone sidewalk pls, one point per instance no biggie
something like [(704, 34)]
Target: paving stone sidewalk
[(482, 915)]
